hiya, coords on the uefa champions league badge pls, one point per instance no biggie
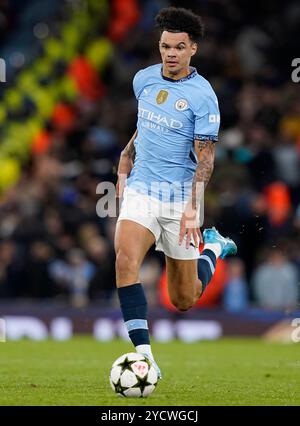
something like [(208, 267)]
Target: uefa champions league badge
[(181, 105)]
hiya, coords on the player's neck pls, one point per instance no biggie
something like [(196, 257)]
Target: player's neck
[(182, 74)]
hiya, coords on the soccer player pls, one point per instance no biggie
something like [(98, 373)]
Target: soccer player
[(166, 165)]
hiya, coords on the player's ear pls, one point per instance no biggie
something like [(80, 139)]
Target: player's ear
[(194, 48)]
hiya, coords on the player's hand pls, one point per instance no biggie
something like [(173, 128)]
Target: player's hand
[(189, 226)]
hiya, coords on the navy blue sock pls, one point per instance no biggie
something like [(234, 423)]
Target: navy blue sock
[(134, 309), (206, 267)]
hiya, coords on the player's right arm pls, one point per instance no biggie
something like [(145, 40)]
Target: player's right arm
[(125, 165)]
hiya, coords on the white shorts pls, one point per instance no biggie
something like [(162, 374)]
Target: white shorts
[(162, 219)]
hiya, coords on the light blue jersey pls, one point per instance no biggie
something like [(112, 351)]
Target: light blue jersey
[(171, 115)]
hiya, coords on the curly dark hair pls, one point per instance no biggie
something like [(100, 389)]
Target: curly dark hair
[(178, 19)]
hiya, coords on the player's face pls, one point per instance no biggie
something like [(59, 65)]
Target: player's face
[(176, 50)]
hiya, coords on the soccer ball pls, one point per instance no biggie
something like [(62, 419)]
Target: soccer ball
[(133, 375)]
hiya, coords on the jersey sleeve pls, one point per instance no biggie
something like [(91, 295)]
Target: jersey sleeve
[(138, 83), (207, 119)]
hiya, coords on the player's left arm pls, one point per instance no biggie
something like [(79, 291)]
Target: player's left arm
[(189, 225), (205, 152), (206, 129)]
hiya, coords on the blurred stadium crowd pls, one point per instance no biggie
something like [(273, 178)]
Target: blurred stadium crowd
[(67, 110)]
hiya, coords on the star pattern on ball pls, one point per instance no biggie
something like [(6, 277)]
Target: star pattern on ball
[(126, 364), (119, 388), (142, 383)]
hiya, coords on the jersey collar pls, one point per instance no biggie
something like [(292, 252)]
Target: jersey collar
[(192, 74)]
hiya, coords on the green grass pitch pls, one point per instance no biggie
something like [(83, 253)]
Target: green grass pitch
[(224, 372)]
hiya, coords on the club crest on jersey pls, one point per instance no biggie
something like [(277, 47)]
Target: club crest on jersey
[(162, 96), (181, 105)]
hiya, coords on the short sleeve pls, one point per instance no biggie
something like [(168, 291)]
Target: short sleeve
[(207, 119), (138, 83)]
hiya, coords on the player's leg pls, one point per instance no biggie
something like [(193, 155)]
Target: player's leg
[(184, 285), (188, 278), (132, 242), (215, 245)]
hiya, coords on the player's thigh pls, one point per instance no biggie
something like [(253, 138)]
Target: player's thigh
[(132, 241), (181, 277)]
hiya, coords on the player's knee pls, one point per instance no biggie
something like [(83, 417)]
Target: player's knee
[(182, 307), (182, 303), (125, 263)]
